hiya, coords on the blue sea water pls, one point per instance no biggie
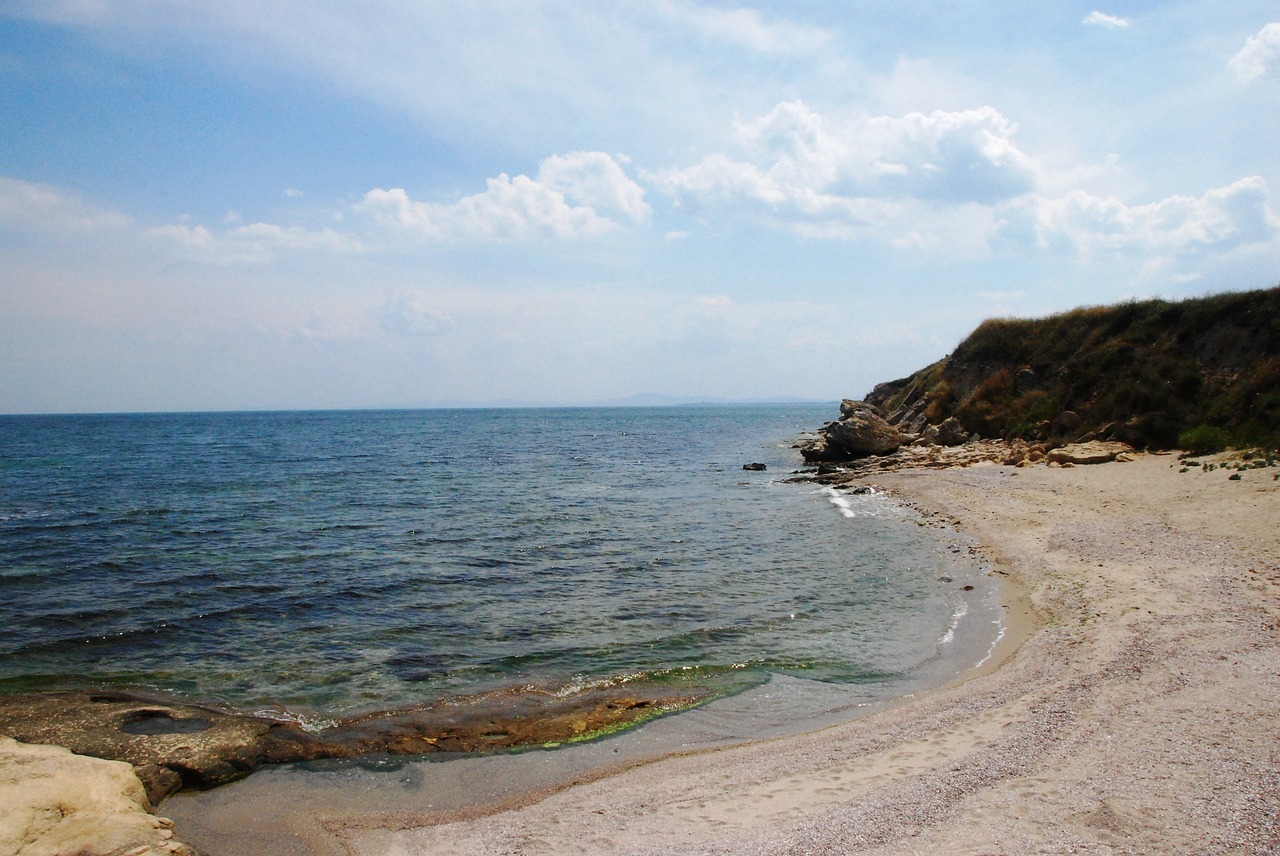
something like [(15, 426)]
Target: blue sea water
[(329, 563)]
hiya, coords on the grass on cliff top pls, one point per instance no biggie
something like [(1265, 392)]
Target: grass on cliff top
[(1160, 368)]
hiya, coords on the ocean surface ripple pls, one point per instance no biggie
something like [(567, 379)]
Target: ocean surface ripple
[(337, 562)]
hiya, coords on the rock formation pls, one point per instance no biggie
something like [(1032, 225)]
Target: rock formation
[(861, 431), (173, 745), (56, 803)]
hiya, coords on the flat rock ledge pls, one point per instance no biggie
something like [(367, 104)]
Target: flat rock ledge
[(56, 803), (1013, 453), (172, 745)]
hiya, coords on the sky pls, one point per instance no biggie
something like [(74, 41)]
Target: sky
[(278, 204)]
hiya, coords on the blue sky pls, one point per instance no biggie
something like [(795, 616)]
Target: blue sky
[(257, 205)]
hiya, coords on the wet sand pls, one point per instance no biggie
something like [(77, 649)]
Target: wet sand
[(1140, 714)]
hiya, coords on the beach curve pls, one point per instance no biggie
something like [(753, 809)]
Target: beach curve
[(1139, 716)]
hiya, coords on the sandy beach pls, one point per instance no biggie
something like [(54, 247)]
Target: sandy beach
[(1138, 715)]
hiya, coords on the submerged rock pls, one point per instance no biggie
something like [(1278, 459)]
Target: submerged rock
[(173, 745)]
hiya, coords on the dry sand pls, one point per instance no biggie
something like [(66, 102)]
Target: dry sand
[(1140, 715)]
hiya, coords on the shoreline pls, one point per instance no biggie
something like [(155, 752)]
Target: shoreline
[(178, 743), (1139, 714), (415, 791)]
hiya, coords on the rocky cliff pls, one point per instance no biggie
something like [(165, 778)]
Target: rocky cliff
[(1201, 373)]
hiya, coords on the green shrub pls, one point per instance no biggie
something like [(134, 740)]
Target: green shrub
[(1203, 440)]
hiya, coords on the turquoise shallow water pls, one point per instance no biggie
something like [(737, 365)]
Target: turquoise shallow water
[(335, 562)]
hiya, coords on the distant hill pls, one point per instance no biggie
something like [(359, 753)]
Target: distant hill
[(1196, 373)]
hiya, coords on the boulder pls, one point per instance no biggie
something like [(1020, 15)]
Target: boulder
[(57, 802), (755, 467), (1066, 422), (861, 431), (952, 433), (1093, 452)]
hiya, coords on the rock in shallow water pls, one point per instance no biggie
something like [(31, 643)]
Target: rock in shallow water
[(174, 745), (861, 431)]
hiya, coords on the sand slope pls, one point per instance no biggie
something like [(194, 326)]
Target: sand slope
[(1143, 715)]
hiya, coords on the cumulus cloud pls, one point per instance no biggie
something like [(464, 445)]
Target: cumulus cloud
[(45, 208), (1220, 220), (574, 196), (802, 164), (597, 180), (1259, 54), (1102, 19)]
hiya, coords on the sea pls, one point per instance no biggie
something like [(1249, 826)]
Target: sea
[(321, 565)]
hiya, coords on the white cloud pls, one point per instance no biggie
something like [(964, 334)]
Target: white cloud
[(1259, 53), (45, 208), (255, 243), (570, 198), (188, 237), (1220, 220), (823, 176), (1102, 19), (595, 179), (510, 209), (269, 237), (746, 28)]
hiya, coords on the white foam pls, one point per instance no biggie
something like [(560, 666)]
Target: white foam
[(306, 723), (950, 634), (869, 504), (1000, 630), (23, 515)]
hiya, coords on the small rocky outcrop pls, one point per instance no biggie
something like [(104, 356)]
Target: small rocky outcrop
[(923, 455), (862, 430), (173, 745), (170, 745)]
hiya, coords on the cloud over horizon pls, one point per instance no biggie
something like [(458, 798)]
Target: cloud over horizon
[(417, 200)]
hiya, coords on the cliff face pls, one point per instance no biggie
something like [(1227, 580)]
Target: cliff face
[(1150, 373)]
